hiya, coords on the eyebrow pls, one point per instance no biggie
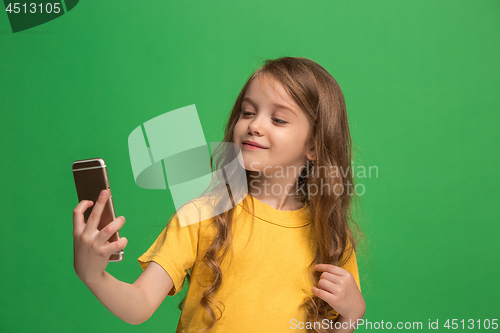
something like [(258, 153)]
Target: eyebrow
[(278, 106)]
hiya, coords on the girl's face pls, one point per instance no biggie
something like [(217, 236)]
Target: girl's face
[(271, 118)]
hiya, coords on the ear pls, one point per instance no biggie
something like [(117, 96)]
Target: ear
[(311, 155), (310, 152)]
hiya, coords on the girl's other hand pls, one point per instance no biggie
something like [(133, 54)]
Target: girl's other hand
[(91, 246), (338, 288)]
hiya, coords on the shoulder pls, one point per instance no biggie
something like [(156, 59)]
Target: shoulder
[(200, 211), (192, 213)]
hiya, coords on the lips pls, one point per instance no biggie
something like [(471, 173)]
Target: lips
[(253, 144)]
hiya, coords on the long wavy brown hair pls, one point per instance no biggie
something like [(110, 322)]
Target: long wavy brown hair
[(319, 95)]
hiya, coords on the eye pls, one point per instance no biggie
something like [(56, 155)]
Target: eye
[(246, 113), (276, 120), (279, 121)]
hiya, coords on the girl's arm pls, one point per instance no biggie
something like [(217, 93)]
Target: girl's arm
[(346, 325), (133, 303)]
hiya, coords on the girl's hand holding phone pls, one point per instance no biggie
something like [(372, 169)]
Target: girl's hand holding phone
[(91, 247), (338, 288)]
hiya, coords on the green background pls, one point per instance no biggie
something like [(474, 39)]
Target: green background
[(421, 82)]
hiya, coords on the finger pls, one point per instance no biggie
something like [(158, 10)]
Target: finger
[(109, 230), (78, 217), (114, 247), (95, 216), (337, 279), (330, 269), (329, 286), (324, 295)]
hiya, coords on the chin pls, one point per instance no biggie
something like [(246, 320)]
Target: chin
[(252, 165)]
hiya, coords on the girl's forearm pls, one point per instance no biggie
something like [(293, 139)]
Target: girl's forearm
[(345, 325), (126, 301)]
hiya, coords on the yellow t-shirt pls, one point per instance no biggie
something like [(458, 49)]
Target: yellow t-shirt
[(264, 287)]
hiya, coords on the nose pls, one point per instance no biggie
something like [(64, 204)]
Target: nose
[(255, 127)]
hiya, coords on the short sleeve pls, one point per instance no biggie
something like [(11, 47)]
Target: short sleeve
[(352, 267), (175, 250)]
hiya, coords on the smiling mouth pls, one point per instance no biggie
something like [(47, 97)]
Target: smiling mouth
[(249, 146)]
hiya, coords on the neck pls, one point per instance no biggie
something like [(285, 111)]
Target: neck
[(277, 192)]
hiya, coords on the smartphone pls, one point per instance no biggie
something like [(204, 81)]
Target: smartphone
[(91, 178)]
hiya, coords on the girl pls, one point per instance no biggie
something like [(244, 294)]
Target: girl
[(283, 257)]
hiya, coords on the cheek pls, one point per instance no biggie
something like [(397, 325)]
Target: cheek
[(289, 139), (292, 142), (237, 132)]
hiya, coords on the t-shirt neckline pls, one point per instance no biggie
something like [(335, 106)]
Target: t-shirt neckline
[(286, 218)]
